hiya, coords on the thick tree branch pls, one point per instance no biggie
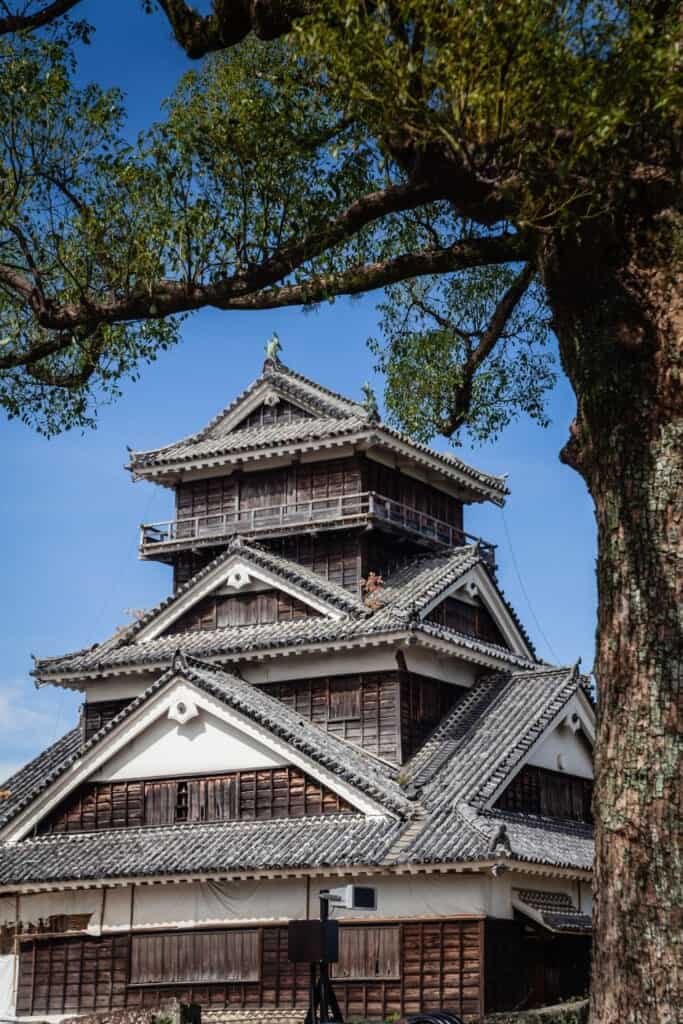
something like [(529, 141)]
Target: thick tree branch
[(459, 256), (28, 22), (235, 293), (170, 296), (230, 22), (462, 398)]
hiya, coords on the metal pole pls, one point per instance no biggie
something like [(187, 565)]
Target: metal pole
[(324, 966)]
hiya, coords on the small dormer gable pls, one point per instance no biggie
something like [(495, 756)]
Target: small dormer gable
[(555, 779), (461, 595), (569, 746), (280, 396), (246, 586)]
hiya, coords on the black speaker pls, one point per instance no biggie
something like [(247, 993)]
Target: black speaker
[(310, 941)]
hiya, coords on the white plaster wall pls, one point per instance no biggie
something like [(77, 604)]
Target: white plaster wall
[(440, 666), (36, 906), (7, 909), (417, 895), (383, 659), (7, 985), (204, 744), (117, 689), (564, 750), (307, 666)]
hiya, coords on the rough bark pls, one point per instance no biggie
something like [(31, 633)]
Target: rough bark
[(618, 310)]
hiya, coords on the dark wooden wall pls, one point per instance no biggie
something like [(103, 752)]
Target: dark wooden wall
[(302, 482), (424, 703), (337, 556), (552, 794), (97, 714), (440, 965), (267, 487), (392, 483), (361, 708), (222, 610), (387, 713), (245, 795), (473, 620), (526, 966)]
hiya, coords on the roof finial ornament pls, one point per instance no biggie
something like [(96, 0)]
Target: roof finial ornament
[(501, 842), (273, 349), (370, 402), (179, 662)]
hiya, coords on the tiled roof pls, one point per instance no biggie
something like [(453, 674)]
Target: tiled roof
[(488, 733), (193, 849), (24, 785), (474, 751), (553, 909), (416, 584), (405, 593), (441, 805), (336, 420), (250, 439)]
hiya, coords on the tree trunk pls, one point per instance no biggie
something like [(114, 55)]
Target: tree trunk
[(618, 314)]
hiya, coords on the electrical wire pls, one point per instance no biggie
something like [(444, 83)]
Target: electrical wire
[(550, 647)]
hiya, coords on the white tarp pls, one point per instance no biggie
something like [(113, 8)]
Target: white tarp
[(7, 972), (218, 902)]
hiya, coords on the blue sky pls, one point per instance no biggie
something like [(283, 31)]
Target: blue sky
[(70, 514)]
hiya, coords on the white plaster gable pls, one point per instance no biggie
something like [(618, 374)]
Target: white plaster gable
[(477, 587), (199, 744), (236, 574), (567, 747)]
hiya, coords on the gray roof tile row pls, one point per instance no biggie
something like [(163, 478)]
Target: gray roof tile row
[(406, 592)]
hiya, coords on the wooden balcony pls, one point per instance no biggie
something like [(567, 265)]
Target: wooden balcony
[(160, 540)]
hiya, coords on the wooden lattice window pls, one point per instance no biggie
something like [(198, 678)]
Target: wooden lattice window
[(210, 956), (369, 951)]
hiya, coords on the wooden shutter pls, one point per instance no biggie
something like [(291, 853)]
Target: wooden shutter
[(211, 956), (369, 951), (344, 701)]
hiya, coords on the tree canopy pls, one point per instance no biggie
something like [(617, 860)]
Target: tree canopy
[(423, 147)]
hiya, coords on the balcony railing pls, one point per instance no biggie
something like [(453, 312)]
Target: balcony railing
[(157, 539)]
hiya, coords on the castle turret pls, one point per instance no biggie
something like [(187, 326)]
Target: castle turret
[(315, 477)]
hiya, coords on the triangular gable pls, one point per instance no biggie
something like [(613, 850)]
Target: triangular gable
[(255, 720), (188, 739), (563, 746), (279, 395), (475, 589), (240, 572), (492, 731), (568, 747)]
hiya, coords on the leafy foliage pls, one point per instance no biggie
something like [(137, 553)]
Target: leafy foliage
[(430, 329), (373, 145)]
